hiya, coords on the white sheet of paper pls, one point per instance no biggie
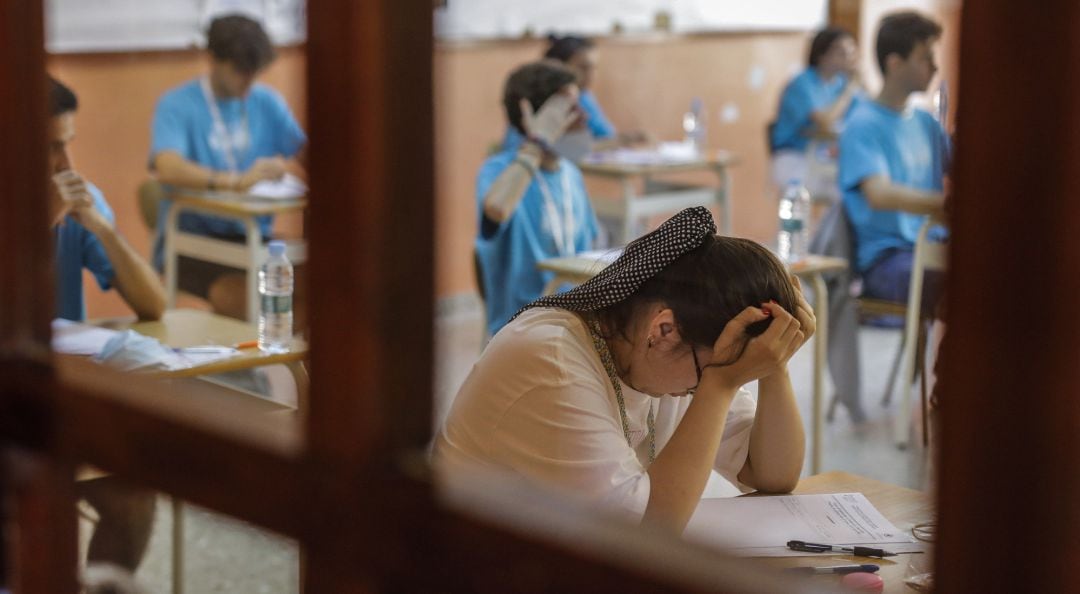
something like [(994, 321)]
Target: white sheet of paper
[(762, 526), (73, 338), (286, 188)]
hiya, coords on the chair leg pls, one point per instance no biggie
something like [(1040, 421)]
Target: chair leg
[(831, 413), (921, 370), (886, 398)]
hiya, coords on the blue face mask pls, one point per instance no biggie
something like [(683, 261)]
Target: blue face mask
[(574, 146)]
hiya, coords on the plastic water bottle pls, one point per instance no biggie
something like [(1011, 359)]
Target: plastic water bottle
[(693, 124), (275, 301), (792, 240)]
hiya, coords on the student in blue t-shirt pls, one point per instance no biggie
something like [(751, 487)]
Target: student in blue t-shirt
[(87, 239), (893, 159), (531, 201), (223, 131), (579, 54), (813, 107), (84, 228)]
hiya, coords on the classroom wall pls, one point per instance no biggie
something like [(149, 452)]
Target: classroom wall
[(117, 94)]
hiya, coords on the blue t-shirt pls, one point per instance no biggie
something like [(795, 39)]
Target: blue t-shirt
[(509, 252), (78, 248), (912, 149), (804, 95), (599, 126), (183, 123)]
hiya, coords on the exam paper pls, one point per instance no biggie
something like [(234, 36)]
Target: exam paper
[(762, 526), (73, 338), (286, 188)]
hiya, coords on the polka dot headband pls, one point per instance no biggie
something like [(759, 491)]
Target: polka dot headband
[(643, 259)]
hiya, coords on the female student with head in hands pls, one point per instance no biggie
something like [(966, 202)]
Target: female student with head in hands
[(627, 391)]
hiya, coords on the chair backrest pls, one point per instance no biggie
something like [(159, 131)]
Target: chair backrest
[(150, 195)]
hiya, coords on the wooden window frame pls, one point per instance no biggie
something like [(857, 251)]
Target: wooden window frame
[(352, 485)]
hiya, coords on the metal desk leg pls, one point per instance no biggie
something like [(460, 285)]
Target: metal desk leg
[(177, 546), (723, 197), (172, 227), (254, 246), (821, 342), (629, 195)]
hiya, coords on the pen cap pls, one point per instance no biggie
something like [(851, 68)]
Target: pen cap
[(863, 582)]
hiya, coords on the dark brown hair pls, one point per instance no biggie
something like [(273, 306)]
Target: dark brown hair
[(240, 41), (536, 82), (565, 48), (900, 32), (708, 286), (824, 41)]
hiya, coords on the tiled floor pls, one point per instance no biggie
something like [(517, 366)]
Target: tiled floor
[(226, 556)]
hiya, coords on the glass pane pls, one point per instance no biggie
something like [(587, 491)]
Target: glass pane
[(669, 108)]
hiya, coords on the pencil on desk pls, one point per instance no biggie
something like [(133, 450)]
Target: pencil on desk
[(247, 344)]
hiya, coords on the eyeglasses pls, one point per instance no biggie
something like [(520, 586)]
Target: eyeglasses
[(697, 369)]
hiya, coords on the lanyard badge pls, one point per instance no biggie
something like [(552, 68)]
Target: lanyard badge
[(230, 142), (562, 227)]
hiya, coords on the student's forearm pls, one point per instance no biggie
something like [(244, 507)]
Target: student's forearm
[(826, 119), (777, 440), (136, 281), (174, 170), (884, 195), (678, 475), (509, 188)]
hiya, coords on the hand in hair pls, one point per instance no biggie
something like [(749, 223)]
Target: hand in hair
[(739, 360), (554, 118)]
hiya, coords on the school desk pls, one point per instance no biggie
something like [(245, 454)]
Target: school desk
[(189, 327), (660, 196), (813, 268), (247, 256), (903, 507)]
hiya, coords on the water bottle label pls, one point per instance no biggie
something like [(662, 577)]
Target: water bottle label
[(276, 304), (791, 225)]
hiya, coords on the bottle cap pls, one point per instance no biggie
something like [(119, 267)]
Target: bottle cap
[(277, 248)]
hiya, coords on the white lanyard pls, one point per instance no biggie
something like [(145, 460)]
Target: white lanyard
[(221, 130), (562, 228)]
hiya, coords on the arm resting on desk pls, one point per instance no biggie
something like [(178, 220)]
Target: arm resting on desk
[(173, 169), (777, 440), (882, 194)]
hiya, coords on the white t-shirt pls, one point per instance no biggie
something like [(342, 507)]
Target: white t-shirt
[(539, 403)]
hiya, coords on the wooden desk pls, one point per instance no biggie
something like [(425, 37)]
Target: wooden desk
[(247, 256), (903, 507), (180, 328), (578, 269), (661, 197), (189, 327)]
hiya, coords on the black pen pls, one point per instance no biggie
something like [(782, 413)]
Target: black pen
[(810, 547), (868, 568)]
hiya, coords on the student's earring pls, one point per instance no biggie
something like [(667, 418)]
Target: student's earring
[(649, 341)]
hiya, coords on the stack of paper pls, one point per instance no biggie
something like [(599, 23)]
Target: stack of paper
[(762, 526), (73, 338), (289, 187)]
